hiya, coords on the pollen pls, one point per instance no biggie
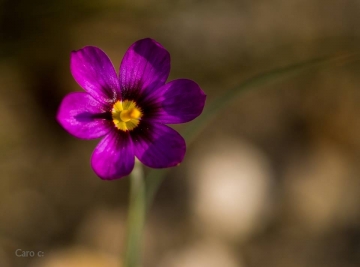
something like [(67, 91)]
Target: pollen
[(126, 115)]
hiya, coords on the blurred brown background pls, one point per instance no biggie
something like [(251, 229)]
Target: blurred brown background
[(273, 181)]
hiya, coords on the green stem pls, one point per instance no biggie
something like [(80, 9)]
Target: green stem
[(136, 217)]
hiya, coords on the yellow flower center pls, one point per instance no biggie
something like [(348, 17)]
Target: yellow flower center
[(126, 115)]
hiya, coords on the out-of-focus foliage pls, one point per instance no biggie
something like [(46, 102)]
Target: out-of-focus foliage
[(273, 181)]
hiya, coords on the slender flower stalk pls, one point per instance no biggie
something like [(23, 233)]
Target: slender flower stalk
[(129, 110), (136, 217)]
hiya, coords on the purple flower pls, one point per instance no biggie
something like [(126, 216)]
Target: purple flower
[(129, 110)]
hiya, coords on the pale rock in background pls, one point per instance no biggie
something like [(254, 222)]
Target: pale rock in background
[(231, 183), (204, 253)]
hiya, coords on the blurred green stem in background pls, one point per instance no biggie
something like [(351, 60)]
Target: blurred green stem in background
[(136, 217), (155, 177), (143, 191)]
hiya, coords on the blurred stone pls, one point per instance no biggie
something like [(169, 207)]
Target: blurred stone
[(202, 254), (76, 257), (231, 182)]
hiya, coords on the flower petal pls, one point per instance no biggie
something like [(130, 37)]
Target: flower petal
[(82, 116), (178, 101), (157, 145), (145, 67), (94, 72), (113, 158)]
